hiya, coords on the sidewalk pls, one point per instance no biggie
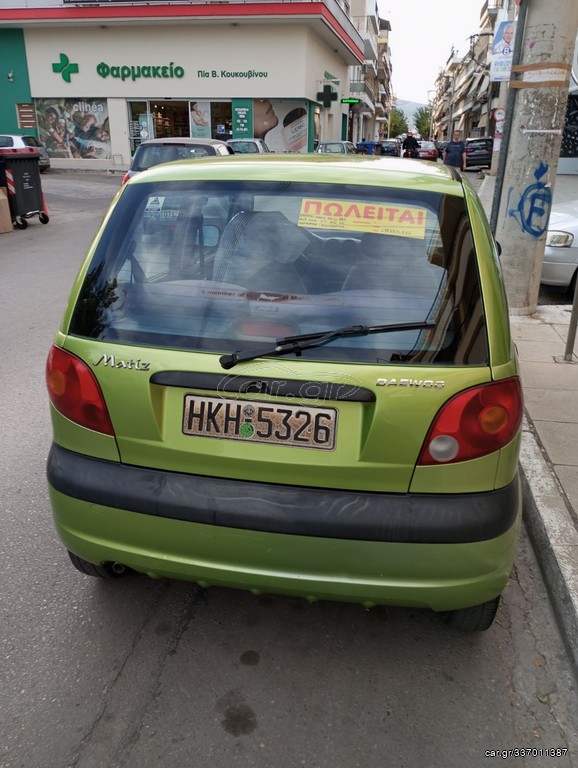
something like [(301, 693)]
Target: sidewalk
[(549, 455)]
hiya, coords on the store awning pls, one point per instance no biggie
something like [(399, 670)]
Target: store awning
[(475, 82), (483, 87)]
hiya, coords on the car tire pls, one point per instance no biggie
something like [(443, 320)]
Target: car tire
[(477, 618), (107, 571)]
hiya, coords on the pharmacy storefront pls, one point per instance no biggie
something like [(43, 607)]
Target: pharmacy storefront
[(98, 92)]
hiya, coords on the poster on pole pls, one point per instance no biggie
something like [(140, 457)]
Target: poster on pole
[(503, 51)]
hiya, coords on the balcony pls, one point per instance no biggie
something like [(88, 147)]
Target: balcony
[(491, 7), (368, 33), (360, 88)]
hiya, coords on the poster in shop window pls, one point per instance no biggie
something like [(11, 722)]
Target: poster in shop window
[(201, 119), (281, 123), (77, 128)]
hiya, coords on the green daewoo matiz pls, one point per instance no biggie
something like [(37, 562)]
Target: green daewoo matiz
[(292, 374)]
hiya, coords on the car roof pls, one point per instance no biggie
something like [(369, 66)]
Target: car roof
[(367, 170), (183, 140)]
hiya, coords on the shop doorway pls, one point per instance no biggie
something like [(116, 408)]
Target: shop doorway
[(170, 118), (156, 119), (221, 120)]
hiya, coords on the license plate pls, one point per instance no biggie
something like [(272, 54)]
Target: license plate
[(259, 422)]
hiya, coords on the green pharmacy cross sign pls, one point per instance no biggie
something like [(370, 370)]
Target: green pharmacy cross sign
[(65, 68), (326, 96)]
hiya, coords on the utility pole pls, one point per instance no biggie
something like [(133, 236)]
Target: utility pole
[(540, 85)]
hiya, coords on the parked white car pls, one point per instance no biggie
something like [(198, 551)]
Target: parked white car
[(13, 141), (561, 252)]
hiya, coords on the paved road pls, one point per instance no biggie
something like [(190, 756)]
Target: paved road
[(138, 673)]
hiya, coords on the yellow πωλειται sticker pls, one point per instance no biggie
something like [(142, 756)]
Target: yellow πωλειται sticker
[(355, 216)]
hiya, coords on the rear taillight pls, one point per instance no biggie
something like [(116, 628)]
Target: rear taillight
[(125, 178), (474, 423), (75, 393)]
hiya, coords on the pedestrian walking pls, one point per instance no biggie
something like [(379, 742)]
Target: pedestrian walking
[(455, 152)]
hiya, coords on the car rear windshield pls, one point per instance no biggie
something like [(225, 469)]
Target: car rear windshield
[(148, 155), (249, 147), (228, 266)]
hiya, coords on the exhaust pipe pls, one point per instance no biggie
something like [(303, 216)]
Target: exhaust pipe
[(118, 569)]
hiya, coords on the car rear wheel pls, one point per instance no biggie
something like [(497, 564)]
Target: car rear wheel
[(477, 618), (107, 571)]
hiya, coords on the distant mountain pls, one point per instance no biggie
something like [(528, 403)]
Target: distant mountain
[(409, 108)]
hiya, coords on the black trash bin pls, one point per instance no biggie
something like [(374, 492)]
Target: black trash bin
[(20, 174)]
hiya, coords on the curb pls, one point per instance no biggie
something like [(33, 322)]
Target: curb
[(553, 535)]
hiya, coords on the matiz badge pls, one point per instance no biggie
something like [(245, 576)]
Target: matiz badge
[(111, 361)]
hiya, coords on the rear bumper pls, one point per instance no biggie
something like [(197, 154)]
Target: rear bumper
[(478, 162), (160, 543), (287, 509)]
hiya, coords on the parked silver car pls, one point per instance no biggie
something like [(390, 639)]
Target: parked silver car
[(336, 148), (248, 146), (156, 151), (19, 142), (560, 266)]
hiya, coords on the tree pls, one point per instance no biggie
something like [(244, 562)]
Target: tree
[(422, 120), (397, 122)]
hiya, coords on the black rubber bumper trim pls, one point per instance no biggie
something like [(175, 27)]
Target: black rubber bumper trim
[(220, 383), (295, 510)]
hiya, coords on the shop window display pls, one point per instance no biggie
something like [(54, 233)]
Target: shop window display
[(76, 128)]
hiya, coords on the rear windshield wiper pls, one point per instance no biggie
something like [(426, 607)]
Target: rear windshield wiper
[(297, 344)]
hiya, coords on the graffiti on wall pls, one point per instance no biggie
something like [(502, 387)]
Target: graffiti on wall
[(533, 210)]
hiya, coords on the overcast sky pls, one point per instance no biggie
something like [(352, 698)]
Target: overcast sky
[(421, 39)]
